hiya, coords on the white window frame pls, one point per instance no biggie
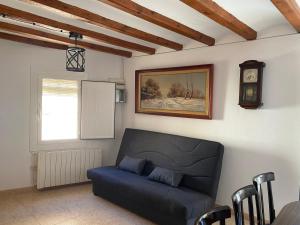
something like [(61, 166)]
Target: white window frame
[(36, 144)]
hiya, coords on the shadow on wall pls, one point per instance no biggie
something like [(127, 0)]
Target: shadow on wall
[(281, 83), (110, 150), (222, 69), (240, 166)]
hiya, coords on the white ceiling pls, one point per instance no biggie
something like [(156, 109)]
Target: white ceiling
[(261, 15)]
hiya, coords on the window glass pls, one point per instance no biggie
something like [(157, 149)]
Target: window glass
[(59, 113)]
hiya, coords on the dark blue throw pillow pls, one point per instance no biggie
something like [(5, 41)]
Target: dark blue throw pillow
[(165, 176), (133, 165)]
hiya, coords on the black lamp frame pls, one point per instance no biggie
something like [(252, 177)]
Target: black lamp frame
[(75, 55)]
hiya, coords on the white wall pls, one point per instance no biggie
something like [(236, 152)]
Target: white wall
[(17, 62), (267, 139)]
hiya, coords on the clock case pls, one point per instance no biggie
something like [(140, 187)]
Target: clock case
[(243, 102)]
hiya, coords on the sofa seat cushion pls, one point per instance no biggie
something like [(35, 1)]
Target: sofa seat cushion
[(149, 198)]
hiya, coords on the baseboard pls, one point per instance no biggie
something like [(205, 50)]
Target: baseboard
[(64, 186), (17, 190), (34, 188)]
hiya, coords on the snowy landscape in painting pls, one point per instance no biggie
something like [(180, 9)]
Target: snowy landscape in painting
[(182, 92), (177, 103)]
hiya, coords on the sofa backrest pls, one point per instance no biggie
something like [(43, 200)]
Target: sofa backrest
[(199, 160)]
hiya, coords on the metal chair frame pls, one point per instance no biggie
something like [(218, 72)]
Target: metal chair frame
[(218, 214), (258, 181), (247, 192)]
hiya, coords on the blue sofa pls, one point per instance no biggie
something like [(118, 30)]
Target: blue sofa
[(199, 160)]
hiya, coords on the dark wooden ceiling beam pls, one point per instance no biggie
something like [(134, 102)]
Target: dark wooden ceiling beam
[(30, 31), (108, 23), (52, 23), (290, 10), (137, 10), (215, 12), (32, 41)]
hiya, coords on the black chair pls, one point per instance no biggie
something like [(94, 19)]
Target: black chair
[(258, 181), (218, 214), (248, 193)]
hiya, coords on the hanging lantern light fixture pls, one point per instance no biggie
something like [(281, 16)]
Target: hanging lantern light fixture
[(75, 55)]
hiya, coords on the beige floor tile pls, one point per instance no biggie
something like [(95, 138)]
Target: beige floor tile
[(51, 214), (71, 222), (6, 218), (74, 205), (30, 220)]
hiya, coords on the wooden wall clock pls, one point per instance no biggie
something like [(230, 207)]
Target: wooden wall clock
[(251, 77)]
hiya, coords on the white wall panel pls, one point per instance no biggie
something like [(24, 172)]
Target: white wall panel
[(15, 156), (255, 141)]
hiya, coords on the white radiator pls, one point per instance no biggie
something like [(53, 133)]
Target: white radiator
[(66, 167)]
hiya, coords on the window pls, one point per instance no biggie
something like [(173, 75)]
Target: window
[(59, 110), (56, 109)]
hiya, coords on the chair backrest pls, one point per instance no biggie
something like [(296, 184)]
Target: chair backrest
[(218, 214), (258, 181), (238, 197)]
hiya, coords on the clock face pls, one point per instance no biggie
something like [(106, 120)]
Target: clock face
[(250, 75)]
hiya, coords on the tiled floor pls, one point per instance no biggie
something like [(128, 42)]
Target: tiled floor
[(74, 205)]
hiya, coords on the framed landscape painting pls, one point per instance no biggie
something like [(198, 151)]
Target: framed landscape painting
[(178, 91)]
